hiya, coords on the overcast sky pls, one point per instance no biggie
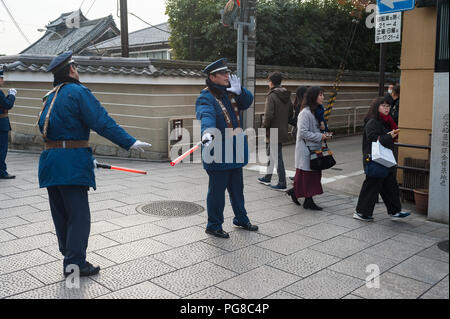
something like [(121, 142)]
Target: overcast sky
[(34, 14)]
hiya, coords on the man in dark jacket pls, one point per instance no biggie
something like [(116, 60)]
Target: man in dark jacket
[(6, 104), (277, 112), (395, 106), (388, 96)]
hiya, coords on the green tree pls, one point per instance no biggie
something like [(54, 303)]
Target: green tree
[(197, 33), (304, 33)]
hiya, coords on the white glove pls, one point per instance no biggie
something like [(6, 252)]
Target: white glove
[(140, 146), (235, 83), (12, 92), (207, 139), (95, 163)]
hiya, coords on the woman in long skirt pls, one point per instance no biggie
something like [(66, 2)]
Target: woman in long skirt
[(307, 183)]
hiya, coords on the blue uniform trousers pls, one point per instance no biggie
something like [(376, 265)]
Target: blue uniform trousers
[(3, 152), (219, 181), (72, 218)]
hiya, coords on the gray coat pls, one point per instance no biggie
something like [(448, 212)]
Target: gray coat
[(307, 130)]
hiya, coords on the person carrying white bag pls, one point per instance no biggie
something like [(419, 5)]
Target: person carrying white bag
[(383, 155), (379, 164)]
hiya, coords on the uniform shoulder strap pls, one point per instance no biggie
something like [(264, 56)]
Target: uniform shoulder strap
[(56, 89), (224, 110)]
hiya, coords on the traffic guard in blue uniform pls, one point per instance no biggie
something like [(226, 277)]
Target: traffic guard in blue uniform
[(66, 166), (6, 104), (218, 108)]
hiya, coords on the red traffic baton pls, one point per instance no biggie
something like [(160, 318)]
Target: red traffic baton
[(186, 154), (129, 170)]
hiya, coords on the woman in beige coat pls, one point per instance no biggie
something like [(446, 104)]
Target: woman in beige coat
[(307, 183)]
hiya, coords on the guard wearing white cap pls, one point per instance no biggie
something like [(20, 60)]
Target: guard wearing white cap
[(66, 166), (218, 107), (6, 104)]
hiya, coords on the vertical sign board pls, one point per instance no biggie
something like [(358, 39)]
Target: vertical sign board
[(388, 27), (438, 204)]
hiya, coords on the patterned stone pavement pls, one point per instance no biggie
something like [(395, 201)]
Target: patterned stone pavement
[(296, 254)]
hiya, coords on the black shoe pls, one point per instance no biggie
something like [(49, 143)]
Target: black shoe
[(218, 233), (264, 180), (309, 204), (292, 194), (291, 178), (86, 271), (8, 176), (362, 217), (248, 227)]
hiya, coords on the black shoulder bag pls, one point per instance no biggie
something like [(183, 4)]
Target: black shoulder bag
[(321, 159)]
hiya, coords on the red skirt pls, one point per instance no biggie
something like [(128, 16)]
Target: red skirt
[(307, 183)]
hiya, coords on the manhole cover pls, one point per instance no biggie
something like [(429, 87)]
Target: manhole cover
[(170, 208), (443, 245)]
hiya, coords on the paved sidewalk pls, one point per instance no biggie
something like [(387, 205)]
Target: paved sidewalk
[(296, 254)]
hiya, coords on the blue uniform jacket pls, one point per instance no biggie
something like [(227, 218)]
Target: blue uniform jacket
[(76, 111), (209, 112), (6, 103)]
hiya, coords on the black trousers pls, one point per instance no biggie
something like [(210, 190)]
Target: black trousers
[(3, 152), (219, 181), (388, 189), (69, 206)]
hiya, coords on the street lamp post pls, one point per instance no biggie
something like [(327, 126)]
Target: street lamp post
[(53, 32)]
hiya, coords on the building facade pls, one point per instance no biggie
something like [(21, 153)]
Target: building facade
[(424, 97), (73, 31), (152, 43)]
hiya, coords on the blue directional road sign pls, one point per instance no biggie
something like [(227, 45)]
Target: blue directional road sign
[(388, 6)]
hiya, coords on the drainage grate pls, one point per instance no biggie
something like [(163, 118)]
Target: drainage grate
[(170, 208), (443, 245)]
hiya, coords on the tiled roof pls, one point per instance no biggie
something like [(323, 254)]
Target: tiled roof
[(61, 20), (152, 35), (59, 38), (176, 68)]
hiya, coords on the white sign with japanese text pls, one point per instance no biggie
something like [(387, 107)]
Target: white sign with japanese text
[(388, 27)]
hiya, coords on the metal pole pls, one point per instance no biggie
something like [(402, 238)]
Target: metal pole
[(245, 66), (124, 28), (239, 49), (348, 123), (382, 68), (244, 78), (239, 57), (251, 59)]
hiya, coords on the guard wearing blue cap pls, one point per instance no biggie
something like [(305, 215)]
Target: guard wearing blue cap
[(66, 166), (6, 104), (218, 108)]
